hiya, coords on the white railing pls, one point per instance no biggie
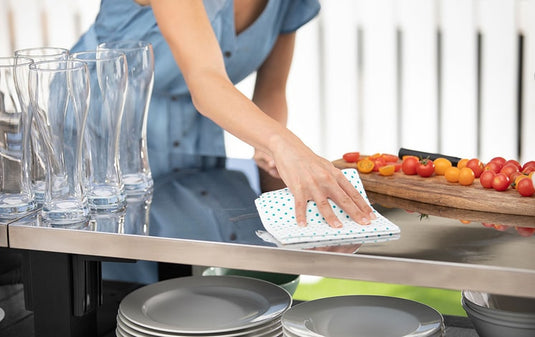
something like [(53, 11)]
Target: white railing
[(450, 76)]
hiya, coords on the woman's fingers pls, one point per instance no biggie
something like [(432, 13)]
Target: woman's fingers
[(341, 192)]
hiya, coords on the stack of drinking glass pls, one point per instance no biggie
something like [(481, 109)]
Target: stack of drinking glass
[(204, 306), (73, 131)]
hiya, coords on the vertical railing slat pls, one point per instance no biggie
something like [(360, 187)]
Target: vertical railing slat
[(60, 23), (27, 21), (5, 29), (418, 69), (526, 12), (499, 62), (303, 89), (339, 77), (378, 129), (458, 106)]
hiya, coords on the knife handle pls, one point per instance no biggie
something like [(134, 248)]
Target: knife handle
[(420, 154)]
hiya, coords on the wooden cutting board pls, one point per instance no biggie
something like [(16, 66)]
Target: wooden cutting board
[(436, 190)]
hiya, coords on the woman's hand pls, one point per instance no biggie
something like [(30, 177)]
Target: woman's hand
[(266, 163), (310, 177)]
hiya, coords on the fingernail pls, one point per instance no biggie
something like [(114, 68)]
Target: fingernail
[(337, 224), (373, 216), (302, 224), (365, 221)]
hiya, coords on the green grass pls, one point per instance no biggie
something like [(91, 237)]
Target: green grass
[(447, 302)]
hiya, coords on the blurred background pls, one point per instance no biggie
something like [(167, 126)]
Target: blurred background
[(449, 76)]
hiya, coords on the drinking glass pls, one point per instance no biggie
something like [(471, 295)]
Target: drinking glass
[(108, 76), (37, 171), (59, 95), (16, 196), (133, 155)]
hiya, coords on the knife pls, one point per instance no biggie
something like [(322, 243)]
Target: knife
[(420, 154)]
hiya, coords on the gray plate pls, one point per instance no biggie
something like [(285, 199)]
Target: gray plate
[(205, 305), (259, 330), (362, 315)]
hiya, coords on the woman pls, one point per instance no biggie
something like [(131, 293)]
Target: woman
[(201, 49)]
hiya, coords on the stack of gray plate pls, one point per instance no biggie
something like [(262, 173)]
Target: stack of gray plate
[(221, 306), (362, 315), (498, 315)]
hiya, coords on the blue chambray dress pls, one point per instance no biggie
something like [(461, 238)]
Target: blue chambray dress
[(177, 135)]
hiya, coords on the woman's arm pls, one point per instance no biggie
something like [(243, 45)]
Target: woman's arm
[(187, 30)]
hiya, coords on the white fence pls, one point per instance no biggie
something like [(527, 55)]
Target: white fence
[(450, 76)]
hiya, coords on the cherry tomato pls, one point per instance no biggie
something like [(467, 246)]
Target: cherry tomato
[(351, 157), (466, 176), (493, 166), (528, 169), (365, 165), (378, 162), (441, 164), (425, 168), (390, 158), (525, 187), (452, 174), (500, 182), (476, 165), (525, 231), (409, 164), (387, 170), (462, 163), (527, 164), (514, 162), (498, 160), (515, 176), (509, 169), (486, 178)]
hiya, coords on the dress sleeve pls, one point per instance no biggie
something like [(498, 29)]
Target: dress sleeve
[(298, 13)]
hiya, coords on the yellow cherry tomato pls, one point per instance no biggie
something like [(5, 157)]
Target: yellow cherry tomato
[(452, 174), (365, 165), (466, 176), (441, 164), (387, 170)]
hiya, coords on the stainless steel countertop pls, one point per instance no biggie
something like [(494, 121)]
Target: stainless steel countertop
[(436, 250), (432, 252)]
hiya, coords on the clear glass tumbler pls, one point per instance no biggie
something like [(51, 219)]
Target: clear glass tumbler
[(37, 171), (16, 195), (134, 159), (108, 76), (59, 95)]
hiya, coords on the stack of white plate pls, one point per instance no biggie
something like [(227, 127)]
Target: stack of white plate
[(362, 315), (215, 306)]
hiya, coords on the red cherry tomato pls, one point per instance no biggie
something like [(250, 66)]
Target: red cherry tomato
[(486, 178), (351, 157), (409, 164), (425, 168), (509, 169), (390, 158), (476, 165), (527, 164), (514, 162), (500, 182), (525, 187), (378, 163), (499, 160), (493, 166)]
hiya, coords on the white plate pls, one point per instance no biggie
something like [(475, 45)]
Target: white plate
[(205, 305), (362, 315), (258, 330)]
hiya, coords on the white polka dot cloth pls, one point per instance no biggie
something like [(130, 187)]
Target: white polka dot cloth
[(276, 210)]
